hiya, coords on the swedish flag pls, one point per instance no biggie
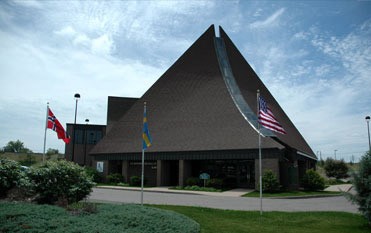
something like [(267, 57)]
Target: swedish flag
[(147, 141)]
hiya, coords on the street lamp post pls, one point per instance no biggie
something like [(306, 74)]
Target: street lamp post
[(77, 97), (335, 153), (368, 131), (85, 139)]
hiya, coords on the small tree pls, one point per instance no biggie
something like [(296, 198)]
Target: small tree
[(135, 181), (270, 182), (9, 175), (17, 147), (115, 178), (362, 185), (313, 181), (60, 182), (336, 168), (52, 151)]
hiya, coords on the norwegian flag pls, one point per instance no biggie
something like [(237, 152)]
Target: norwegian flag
[(56, 126), (267, 119)]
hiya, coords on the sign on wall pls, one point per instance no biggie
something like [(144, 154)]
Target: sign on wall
[(100, 166)]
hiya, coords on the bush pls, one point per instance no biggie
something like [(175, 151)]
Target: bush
[(215, 183), (336, 168), (229, 182), (192, 181), (60, 182), (362, 185), (198, 188), (270, 182), (96, 176), (9, 175), (312, 181), (26, 217), (135, 181), (115, 178)]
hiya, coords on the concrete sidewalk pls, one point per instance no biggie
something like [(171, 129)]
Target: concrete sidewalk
[(340, 188), (230, 193)]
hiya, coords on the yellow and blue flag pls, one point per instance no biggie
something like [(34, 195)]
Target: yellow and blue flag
[(147, 141)]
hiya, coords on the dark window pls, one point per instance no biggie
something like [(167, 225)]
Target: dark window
[(79, 136), (88, 136), (93, 136)]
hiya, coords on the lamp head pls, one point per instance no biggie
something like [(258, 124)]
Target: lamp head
[(77, 96), (367, 118)]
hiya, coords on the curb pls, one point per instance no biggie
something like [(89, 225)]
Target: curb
[(306, 196), (147, 190)]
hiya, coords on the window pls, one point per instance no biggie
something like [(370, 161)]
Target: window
[(91, 137)]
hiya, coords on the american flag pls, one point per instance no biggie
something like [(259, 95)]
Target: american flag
[(267, 119)]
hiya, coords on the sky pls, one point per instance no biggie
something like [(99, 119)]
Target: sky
[(314, 57)]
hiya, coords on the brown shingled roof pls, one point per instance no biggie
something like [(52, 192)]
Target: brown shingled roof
[(190, 108)]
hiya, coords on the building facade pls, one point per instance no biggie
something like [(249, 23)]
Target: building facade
[(202, 119)]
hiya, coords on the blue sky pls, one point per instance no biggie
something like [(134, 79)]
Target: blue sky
[(314, 57)]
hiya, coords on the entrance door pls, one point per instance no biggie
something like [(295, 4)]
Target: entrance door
[(245, 174)]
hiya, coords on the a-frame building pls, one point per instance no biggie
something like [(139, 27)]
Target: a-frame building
[(202, 118)]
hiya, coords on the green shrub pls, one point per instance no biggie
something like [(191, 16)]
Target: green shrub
[(229, 182), (106, 218), (96, 176), (115, 178), (198, 188), (79, 208), (9, 175), (270, 182), (191, 181), (312, 181), (60, 182), (215, 183), (135, 181), (336, 168), (362, 185)]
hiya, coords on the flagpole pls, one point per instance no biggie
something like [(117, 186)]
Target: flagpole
[(142, 179), (46, 127), (260, 160), (142, 183)]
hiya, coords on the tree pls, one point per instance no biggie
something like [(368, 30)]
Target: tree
[(336, 168), (17, 147), (51, 151), (362, 185), (270, 182), (312, 181), (60, 182)]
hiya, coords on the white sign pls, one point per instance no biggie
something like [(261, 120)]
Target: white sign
[(100, 166)]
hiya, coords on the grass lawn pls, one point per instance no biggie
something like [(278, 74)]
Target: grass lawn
[(292, 194), (227, 221)]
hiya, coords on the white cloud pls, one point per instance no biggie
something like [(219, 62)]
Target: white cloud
[(102, 45), (28, 3), (272, 20), (66, 31)]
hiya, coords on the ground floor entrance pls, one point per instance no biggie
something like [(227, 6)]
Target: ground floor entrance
[(231, 173)]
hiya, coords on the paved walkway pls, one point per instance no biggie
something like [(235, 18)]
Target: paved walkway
[(229, 193), (340, 187), (226, 200)]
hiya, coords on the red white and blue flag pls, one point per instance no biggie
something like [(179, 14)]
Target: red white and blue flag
[(56, 126), (267, 119)]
